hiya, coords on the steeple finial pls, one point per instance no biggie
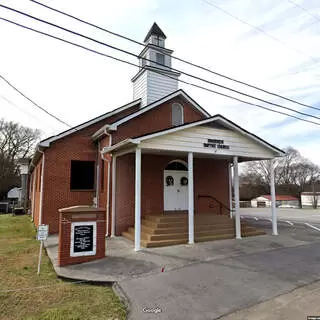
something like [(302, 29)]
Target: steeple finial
[(155, 30)]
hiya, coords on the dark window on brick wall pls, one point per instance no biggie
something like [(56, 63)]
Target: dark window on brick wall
[(82, 175)]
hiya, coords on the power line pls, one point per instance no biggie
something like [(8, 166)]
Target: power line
[(175, 70), (174, 57), (304, 9), (156, 70), (14, 105), (35, 104), (259, 29)]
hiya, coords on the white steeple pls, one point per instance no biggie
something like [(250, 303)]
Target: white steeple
[(155, 79)]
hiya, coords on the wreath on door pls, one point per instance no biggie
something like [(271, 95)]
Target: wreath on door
[(169, 180), (184, 181)]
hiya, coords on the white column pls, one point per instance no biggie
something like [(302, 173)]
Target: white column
[(114, 180), (273, 200), (230, 189), (236, 197), (137, 223), (190, 198)]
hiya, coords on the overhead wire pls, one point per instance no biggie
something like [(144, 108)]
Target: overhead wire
[(33, 102), (155, 70), (259, 29), (155, 62), (174, 57), (304, 9)]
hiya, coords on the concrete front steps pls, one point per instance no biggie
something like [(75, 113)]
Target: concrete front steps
[(171, 229)]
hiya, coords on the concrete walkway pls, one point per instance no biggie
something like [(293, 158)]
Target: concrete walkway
[(122, 262), (207, 280)]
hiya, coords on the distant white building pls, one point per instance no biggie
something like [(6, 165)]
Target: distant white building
[(284, 201), (14, 193), (310, 198)]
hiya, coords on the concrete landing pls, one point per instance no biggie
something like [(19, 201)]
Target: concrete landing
[(122, 262)]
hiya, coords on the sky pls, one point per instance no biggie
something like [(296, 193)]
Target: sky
[(272, 44)]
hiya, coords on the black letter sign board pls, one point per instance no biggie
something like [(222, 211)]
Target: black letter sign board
[(215, 144), (83, 238)]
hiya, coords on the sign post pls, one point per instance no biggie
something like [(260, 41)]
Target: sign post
[(42, 235)]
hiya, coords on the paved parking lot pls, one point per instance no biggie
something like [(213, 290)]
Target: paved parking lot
[(299, 215), (221, 284)]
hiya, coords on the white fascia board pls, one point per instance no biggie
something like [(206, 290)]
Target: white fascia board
[(214, 118), (46, 142), (158, 102), (119, 145)]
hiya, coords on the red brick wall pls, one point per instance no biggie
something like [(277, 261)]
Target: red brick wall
[(79, 146), (154, 120), (125, 192), (57, 193), (210, 178)]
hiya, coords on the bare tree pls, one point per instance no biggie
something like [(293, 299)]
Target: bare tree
[(16, 142), (292, 172)]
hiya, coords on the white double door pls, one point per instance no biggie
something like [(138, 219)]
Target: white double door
[(175, 190)]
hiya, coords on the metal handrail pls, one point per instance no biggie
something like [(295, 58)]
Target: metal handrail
[(221, 205)]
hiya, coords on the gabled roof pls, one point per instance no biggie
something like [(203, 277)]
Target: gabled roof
[(46, 142), (152, 105), (218, 118), (155, 30)]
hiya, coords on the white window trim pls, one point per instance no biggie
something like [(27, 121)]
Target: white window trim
[(182, 113)]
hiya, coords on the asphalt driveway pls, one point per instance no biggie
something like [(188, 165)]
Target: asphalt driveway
[(213, 287)]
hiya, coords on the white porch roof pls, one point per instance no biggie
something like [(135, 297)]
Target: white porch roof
[(213, 137)]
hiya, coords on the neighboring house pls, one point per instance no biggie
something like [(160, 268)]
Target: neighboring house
[(310, 199), (160, 153), (14, 194), (284, 201)]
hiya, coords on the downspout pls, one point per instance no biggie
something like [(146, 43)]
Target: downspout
[(41, 187), (33, 190), (98, 177), (108, 185)]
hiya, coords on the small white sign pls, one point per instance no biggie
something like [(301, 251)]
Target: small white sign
[(43, 231)]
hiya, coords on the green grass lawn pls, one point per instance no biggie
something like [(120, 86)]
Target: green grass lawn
[(56, 299)]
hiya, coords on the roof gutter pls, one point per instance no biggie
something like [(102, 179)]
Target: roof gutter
[(119, 145), (108, 184), (103, 131)]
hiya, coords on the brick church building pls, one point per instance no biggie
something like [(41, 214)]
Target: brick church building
[(160, 166)]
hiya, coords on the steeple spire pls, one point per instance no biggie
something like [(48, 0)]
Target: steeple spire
[(154, 31), (155, 78)]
